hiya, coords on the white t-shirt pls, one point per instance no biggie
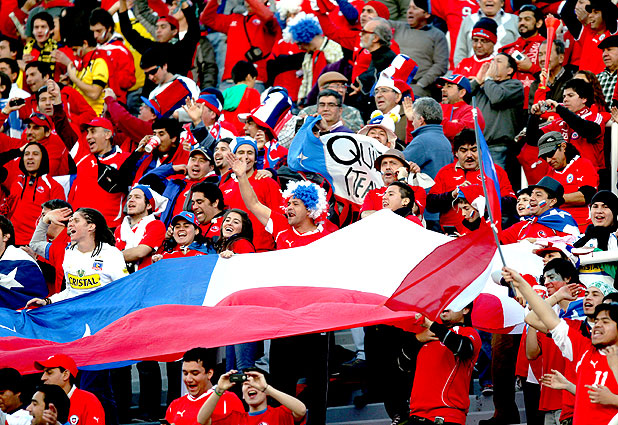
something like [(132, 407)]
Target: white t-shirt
[(85, 273)]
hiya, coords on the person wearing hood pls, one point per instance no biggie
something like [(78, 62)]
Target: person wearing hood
[(30, 188)]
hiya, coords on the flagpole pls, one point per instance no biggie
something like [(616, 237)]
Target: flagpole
[(480, 156)]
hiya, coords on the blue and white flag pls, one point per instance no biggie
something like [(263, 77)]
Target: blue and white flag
[(21, 279), (346, 160), (558, 220)]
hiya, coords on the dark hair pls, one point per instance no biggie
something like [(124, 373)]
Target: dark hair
[(582, 88), (14, 45), (10, 379), (599, 97), (211, 192), (538, 14), (206, 356), (7, 228), (611, 308), (12, 63), (565, 268), (101, 16), (43, 67), (558, 45), (611, 297), (55, 395), (102, 233), (5, 81), (56, 204), (468, 317), (39, 92), (155, 56), (405, 190), (512, 62), (242, 69), (44, 16), (43, 167), (329, 92), (171, 125), (245, 233), (464, 137)]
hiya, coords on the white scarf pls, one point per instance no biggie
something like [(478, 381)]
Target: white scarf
[(134, 235)]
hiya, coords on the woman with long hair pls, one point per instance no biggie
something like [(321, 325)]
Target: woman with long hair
[(236, 235), (91, 261)]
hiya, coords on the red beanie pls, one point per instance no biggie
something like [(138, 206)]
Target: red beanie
[(380, 8)]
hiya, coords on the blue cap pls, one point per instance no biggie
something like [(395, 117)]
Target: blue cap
[(185, 215)]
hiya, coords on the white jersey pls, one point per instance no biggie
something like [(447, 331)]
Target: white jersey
[(85, 273), (19, 417)]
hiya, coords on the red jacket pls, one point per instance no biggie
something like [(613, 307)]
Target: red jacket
[(457, 117), (26, 196), (261, 27), (131, 126), (469, 67), (120, 65)]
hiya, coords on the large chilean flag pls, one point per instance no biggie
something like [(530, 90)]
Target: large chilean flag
[(337, 282)]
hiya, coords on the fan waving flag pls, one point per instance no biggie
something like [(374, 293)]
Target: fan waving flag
[(491, 177), (338, 282)]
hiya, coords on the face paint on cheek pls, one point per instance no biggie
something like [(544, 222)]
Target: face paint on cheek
[(542, 203)]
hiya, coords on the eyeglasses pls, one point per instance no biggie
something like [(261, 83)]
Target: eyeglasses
[(152, 72), (384, 91), (329, 105)]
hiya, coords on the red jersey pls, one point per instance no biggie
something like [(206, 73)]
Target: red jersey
[(591, 151), (268, 193), (270, 416), (85, 409), (86, 191), (182, 252), (453, 12), (55, 257), (120, 65), (551, 358), (151, 234), (287, 236), (456, 117), (241, 246), (527, 229), (578, 172), (568, 399), (287, 79), (212, 229), (452, 175), (534, 167), (259, 29), (183, 410), (469, 67), (591, 56), (373, 199), (592, 369), (442, 381), (26, 196)]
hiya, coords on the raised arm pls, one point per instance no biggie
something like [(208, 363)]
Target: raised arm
[(253, 204), (257, 381)]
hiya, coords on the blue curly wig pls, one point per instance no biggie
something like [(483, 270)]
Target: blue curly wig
[(305, 29), (311, 195)]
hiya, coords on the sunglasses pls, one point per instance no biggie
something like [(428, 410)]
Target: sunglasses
[(152, 72)]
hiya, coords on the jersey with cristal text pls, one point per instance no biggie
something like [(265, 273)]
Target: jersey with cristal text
[(84, 272)]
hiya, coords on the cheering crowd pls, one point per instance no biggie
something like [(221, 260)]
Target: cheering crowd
[(135, 131)]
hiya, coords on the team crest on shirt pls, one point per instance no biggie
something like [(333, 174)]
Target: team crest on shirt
[(569, 178), (601, 37), (574, 135), (214, 228), (542, 234), (40, 189), (256, 21), (74, 420), (97, 265)]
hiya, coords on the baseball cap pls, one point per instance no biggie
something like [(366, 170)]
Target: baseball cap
[(98, 122), (40, 119), (185, 215), (460, 80), (58, 360), (200, 149), (549, 143), (171, 20)]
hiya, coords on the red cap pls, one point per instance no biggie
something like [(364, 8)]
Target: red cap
[(58, 360), (380, 9), (39, 119), (98, 122), (171, 20)]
